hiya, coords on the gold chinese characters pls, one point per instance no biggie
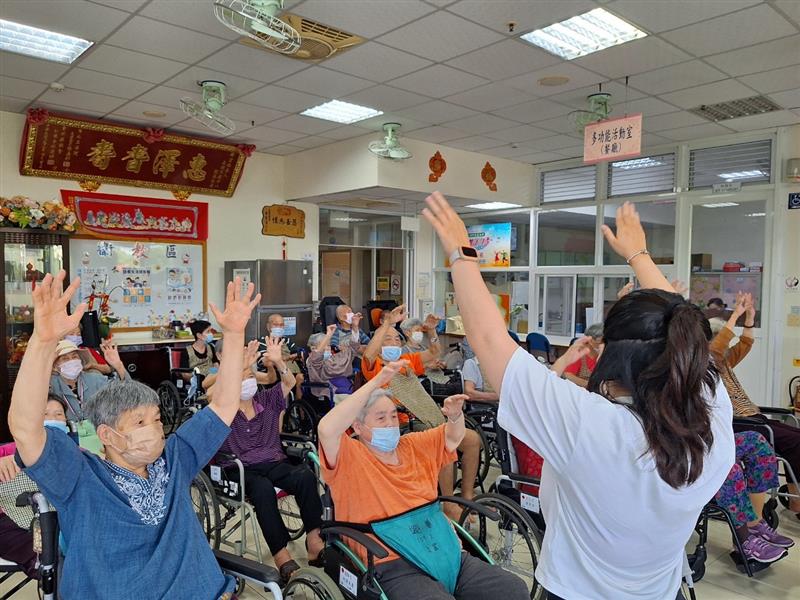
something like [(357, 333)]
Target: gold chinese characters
[(135, 157), (101, 153), (195, 171), (166, 162)]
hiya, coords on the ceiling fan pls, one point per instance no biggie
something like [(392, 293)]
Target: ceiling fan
[(257, 19), (599, 109), (389, 147), (208, 111)]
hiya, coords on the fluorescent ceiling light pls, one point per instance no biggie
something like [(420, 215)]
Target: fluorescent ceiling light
[(584, 34), (341, 112), (720, 204), (756, 214), (349, 219), (493, 205), (637, 163), (40, 43), (741, 175)]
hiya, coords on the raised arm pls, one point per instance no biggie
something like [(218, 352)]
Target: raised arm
[(582, 347), (29, 398), (275, 355), (111, 354), (454, 428), (341, 417), (228, 386), (435, 350), (373, 349)]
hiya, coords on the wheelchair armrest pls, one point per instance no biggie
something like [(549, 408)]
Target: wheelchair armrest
[(227, 456), (292, 437), (372, 547), (247, 568), (776, 411), (478, 508)]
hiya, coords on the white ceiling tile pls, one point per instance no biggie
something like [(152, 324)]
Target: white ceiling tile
[(710, 93), (663, 16), (376, 123), (750, 26), (22, 89), (538, 158), (519, 133), (694, 132), (553, 142), (647, 106), (578, 98), (162, 39), (82, 19), (791, 8), (249, 113), (527, 15), (437, 112), (25, 67), (572, 151), (312, 141), (787, 99), (324, 82), (9, 104), (376, 62), (438, 81), (774, 119), (281, 150), (385, 98), (95, 81), (126, 5), (81, 99), (436, 134), (273, 136), (168, 96), (536, 110), (504, 59), (273, 96), (676, 77), (578, 78), (194, 127), (132, 112), (301, 124), (651, 140), (368, 19), (127, 63), (192, 14), (490, 97), (189, 81), (474, 143), (633, 57), (252, 63), (672, 121), (509, 151), (774, 81), (71, 110), (763, 57), (481, 123), (344, 133), (425, 36), (564, 124)]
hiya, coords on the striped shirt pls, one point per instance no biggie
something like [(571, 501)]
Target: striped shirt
[(258, 440), (726, 358)]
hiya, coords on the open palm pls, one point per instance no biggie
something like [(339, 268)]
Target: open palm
[(238, 307), (50, 319)]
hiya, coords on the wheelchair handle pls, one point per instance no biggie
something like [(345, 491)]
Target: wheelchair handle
[(478, 508), (292, 437), (372, 547)]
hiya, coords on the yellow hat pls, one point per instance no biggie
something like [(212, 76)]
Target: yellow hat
[(65, 347)]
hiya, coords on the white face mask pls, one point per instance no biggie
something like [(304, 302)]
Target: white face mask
[(348, 318), (417, 337), (249, 388), (71, 368)]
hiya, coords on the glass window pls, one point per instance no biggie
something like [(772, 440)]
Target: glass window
[(347, 228), (566, 236), (658, 220), (557, 306), (728, 253), (744, 163), (642, 175), (611, 287), (568, 184), (520, 234), (584, 304)]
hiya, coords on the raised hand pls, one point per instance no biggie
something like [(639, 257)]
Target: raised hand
[(680, 286), (741, 304), (581, 348), (431, 322), (454, 406), (388, 371), (110, 352), (749, 309), (629, 237), (625, 290), (274, 350), (50, 319), (8, 469), (250, 354), (238, 307), (448, 225), (355, 323), (398, 315)]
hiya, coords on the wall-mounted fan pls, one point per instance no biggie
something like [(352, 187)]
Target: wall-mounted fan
[(257, 19), (599, 109), (389, 147), (207, 111)]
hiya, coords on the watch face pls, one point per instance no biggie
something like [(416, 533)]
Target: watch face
[(468, 251)]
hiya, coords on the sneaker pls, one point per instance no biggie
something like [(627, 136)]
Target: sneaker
[(765, 532), (760, 550)]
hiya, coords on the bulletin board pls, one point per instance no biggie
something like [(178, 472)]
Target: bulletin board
[(150, 282)]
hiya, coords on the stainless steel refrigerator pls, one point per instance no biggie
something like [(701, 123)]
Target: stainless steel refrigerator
[(285, 287)]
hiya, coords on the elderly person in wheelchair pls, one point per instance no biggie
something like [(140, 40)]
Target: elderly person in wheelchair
[(127, 521), (390, 483), (255, 439)]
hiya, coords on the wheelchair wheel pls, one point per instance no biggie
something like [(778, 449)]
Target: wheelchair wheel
[(169, 398), (513, 542), (782, 495), (290, 514), (770, 513), (309, 583), (300, 419), (484, 456), (206, 507)]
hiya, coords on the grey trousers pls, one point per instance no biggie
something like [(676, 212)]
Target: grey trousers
[(477, 580)]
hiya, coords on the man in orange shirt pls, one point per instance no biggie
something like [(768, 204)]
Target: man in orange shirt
[(386, 347), (383, 475)]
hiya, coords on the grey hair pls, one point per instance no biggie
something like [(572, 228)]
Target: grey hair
[(315, 339), (117, 397), (373, 398), (595, 331), (409, 323), (717, 324)]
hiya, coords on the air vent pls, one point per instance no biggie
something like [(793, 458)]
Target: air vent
[(317, 41), (733, 109)]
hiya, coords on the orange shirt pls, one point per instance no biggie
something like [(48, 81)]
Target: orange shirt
[(364, 489), (371, 370)]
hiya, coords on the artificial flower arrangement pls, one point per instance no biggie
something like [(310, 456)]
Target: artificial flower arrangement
[(22, 212)]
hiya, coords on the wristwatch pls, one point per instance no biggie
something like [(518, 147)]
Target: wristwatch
[(464, 253)]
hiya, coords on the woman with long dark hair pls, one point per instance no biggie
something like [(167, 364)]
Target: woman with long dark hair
[(628, 463)]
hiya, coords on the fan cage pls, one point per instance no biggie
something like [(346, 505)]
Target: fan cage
[(239, 15)]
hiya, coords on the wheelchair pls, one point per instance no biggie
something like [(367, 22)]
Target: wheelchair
[(181, 395), (21, 516)]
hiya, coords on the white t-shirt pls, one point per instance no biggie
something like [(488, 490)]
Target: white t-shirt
[(615, 529), (472, 372)]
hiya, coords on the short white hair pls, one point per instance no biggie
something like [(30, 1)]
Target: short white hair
[(373, 398)]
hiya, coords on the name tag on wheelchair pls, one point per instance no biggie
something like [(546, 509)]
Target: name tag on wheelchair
[(529, 503), (348, 581), (216, 473)]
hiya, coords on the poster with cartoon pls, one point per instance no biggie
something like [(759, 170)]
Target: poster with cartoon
[(492, 241), (179, 285)]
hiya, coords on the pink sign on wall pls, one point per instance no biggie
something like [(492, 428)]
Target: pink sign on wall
[(613, 139)]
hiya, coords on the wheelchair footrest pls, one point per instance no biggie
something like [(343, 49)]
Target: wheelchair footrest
[(237, 565), (755, 566)]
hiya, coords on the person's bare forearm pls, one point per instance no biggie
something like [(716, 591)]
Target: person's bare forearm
[(288, 379), (649, 275), (29, 399), (454, 431), (341, 417), (228, 386), (579, 381), (373, 349)]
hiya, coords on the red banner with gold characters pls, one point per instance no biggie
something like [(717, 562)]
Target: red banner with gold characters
[(81, 149), (112, 215)]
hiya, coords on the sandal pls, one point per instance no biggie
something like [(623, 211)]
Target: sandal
[(288, 569)]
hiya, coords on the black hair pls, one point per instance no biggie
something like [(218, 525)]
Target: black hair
[(54, 398), (656, 347), (198, 327), (716, 301)]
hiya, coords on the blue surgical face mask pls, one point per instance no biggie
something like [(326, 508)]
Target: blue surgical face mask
[(327, 354), (209, 338), (385, 439), (391, 353), (57, 425), (277, 332)]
